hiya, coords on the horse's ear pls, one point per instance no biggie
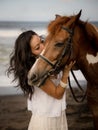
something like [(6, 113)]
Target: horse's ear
[(78, 15), (74, 20), (57, 16)]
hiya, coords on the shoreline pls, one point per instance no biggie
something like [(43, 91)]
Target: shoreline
[(10, 89)]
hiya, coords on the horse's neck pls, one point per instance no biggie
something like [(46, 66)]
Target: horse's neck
[(92, 31), (87, 39), (88, 65), (88, 55)]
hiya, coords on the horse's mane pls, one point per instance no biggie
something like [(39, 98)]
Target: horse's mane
[(55, 25), (91, 33)]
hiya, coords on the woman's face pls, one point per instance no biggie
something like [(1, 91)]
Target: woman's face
[(36, 45)]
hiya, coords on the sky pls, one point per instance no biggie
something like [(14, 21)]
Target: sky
[(45, 10)]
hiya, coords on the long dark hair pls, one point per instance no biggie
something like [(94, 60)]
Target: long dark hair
[(21, 60)]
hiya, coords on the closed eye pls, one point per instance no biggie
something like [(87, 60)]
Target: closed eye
[(59, 44)]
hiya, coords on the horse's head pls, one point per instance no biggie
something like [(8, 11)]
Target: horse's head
[(57, 51)]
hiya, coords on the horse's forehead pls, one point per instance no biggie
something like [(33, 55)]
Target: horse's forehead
[(59, 35)]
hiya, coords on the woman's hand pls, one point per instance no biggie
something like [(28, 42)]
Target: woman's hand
[(58, 91), (67, 69)]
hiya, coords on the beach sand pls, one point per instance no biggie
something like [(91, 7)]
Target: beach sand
[(14, 114)]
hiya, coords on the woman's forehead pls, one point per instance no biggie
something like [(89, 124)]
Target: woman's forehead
[(35, 40)]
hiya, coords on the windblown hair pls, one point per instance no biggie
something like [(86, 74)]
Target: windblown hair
[(21, 60)]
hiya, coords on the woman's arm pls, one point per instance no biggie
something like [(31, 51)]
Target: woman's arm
[(57, 92)]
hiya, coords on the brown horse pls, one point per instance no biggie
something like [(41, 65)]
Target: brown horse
[(69, 39)]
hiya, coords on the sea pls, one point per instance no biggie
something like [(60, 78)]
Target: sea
[(9, 31)]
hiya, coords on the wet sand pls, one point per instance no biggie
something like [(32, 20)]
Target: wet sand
[(78, 114), (14, 114)]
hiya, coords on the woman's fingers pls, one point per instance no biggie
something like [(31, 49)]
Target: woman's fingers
[(68, 68), (70, 65)]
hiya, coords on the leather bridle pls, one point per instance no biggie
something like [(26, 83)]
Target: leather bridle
[(66, 51)]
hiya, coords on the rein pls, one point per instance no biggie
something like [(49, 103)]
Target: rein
[(72, 91)]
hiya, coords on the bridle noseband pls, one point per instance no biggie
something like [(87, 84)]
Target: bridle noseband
[(66, 50)]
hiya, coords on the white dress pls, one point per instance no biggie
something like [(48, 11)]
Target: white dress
[(48, 113)]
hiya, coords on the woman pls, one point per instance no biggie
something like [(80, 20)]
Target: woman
[(47, 103)]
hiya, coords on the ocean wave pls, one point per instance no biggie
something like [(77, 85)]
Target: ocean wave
[(7, 33)]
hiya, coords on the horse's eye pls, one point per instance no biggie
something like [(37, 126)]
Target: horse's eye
[(59, 44)]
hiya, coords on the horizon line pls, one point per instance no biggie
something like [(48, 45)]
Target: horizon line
[(35, 21)]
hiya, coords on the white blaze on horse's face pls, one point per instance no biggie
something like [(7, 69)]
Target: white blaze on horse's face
[(92, 59)]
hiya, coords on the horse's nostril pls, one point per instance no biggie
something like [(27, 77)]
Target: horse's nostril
[(34, 77)]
